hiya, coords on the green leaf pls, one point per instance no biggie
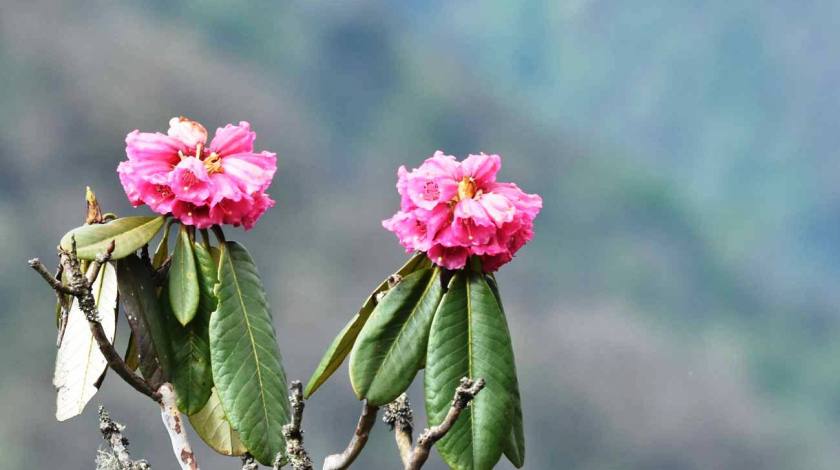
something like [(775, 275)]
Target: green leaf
[(206, 262), (514, 448), (79, 364), (191, 372), (145, 317), (128, 234), (212, 426), (245, 359), (132, 354), (162, 250), (391, 347), (183, 279), (343, 343), (469, 338)]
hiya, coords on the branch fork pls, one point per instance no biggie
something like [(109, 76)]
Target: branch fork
[(399, 416), (464, 394), (79, 285)]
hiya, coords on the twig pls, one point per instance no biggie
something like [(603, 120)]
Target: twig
[(175, 426), (112, 433), (59, 274), (295, 452), (248, 462), (62, 305), (399, 417), (464, 394), (54, 282), (80, 287), (360, 436)]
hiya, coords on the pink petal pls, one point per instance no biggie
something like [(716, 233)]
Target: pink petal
[(245, 211), (409, 231), (189, 132), (402, 189), (232, 139), (148, 169), (472, 210), (190, 181), (497, 207), (529, 204), (262, 202), (492, 263), (448, 257), (191, 214), (148, 146), (225, 187), (482, 168), (251, 171), (441, 164), (130, 182)]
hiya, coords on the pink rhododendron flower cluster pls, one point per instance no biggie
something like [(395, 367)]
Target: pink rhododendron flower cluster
[(451, 210), (200, 184)]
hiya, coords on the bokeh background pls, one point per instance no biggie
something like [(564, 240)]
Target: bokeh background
[(678, 308)]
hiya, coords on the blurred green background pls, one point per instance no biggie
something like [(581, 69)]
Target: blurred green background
[(678, 307)]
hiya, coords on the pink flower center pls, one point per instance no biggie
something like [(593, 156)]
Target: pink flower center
[(431, 192), (163, 191), (420, 229), (188, 179), (213, 162)]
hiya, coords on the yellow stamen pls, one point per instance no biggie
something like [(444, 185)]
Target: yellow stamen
[(466, 188), (213, 163)]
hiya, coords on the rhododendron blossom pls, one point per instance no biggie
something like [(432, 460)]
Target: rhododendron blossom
[(200, 184), (451, 210)]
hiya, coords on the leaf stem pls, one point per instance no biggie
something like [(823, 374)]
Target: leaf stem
[(205, 238), (220, 235)]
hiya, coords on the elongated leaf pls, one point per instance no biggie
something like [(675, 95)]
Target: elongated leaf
[(128, 234), (391, 347), (144, 315), (132, 354), (162, 250), (191, 372), (79, 364), (469, 338), (343, 343), (190, 366), (183, 279), (212, 426), (514, 448), (246, 362), (206, 262)]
